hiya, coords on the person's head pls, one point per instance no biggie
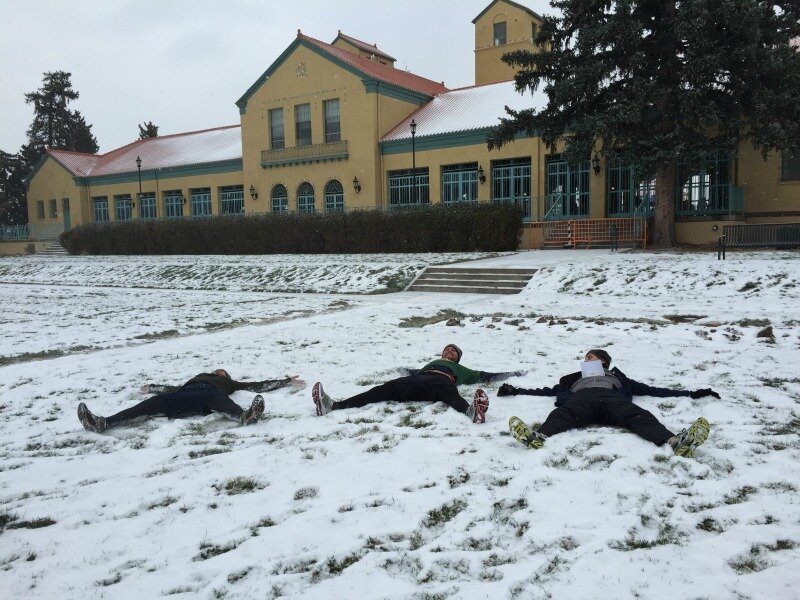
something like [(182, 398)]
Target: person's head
[(451, 352), (600, 355), (221, 373)]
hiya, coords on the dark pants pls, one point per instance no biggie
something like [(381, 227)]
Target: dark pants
[(193, 399), (598, 406), (424, 387)]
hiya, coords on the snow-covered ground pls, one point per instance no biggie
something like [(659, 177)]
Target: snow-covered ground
[(398, 501)]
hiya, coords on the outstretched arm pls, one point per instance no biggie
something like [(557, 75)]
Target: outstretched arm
[(509, 390), (642, 389), (269, 385), (486, 376)]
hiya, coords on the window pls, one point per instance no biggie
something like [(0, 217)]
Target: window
[(706, 188), (123, 211), (201, 202), (276, 138), (333, 128), (231, 199), (511, 182), (534, 31), (100, 208), (53, 209), (499, 33), (404, 192), (790, 167), (147, 205), (280, 199), (40, 209), (305, 198), (173, 203), (460, 183), (625, 195), (334, 196), (567, 189), (302, 119)]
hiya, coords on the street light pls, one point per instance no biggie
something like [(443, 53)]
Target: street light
[(414, 159), (139, 168)]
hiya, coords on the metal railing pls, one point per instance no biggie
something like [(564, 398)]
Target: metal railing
[(762, 235), (595, 232), (34, 232)]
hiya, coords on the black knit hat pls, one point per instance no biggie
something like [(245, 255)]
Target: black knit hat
[(604, 356), (457, 349)]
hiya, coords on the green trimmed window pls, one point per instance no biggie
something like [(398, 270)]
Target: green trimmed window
[(334, 196), (333, 126), (277, 140), (305, 198), (625, 195), (705, 189), (460, 183), (53, 208), (302, 124), (99, 209), (147, 205), (231, 199), (790, 167), (173, 203), (279, 198), (567, 189), (40, 209), (201, 202), (511, 182), (403, 192), (123, 207)]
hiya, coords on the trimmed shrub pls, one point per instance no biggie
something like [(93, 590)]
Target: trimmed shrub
[(481, 227)]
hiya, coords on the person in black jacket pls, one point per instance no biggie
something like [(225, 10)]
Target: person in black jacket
[(605, 398), (201, 395), (435, 382)]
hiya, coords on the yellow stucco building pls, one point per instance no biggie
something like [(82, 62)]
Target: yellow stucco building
[(335, 126)]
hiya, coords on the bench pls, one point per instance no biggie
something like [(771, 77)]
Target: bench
[(766, 235)]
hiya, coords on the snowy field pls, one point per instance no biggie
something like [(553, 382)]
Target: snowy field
[(397, 501)]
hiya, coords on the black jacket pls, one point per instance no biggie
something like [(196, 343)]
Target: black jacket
[(226, 385), (630, 388)]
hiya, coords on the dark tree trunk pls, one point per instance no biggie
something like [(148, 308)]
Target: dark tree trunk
[(664, 222)]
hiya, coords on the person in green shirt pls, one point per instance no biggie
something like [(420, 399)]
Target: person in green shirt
[(435, 382)]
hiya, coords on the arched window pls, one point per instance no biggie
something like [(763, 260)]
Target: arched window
[(280, 199), (334, 196), (305, 198)]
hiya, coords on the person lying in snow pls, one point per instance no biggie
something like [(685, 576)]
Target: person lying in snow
[(435, 382), (600, 396), (201, 395)]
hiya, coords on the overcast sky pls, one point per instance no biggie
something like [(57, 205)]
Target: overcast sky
[(183, 63)]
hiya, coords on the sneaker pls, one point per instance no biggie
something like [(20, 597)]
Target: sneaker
[(687, 441), (90, 421), (322, 401), (252, 414), (523, 433), (480, 405)]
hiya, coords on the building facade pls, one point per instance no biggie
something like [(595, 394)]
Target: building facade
[(331, 127)]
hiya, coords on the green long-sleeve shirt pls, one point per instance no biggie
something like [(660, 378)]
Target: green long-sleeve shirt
[(462, 374)]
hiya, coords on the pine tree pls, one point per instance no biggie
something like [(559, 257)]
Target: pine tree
[(662, 82), (12, 189), (148, 130)]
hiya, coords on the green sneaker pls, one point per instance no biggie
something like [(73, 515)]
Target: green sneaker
[(522, 433), (687, 441)]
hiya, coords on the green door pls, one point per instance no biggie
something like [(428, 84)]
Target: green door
[(65, 212)]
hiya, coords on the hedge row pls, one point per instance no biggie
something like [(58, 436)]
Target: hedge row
[(483, 227)]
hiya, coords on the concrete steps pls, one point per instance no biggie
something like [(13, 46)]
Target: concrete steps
[(472, 281), (55, 249)]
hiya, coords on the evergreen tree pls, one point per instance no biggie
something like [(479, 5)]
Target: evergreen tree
[(148, 130), (13, 210), (662, 82)]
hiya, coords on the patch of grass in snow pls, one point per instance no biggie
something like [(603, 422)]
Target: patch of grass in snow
[(442, 315), (163, 503), (158, 335), (294, 567), (32, 523), (709, 524), (752, 322), (740, 495), (407, 420), (237, 575), (211, 550), (239, 485), (115, 578), (684, 318), (333, 566), (211, 450), (787, 428), (444, 513), (306, 493), (667, 534)]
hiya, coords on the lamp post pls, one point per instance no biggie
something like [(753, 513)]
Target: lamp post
[(139, 168), (414, 159)]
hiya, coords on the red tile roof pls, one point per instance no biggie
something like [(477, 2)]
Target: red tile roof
[(180, 149), (373, 48), (378, 71)]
